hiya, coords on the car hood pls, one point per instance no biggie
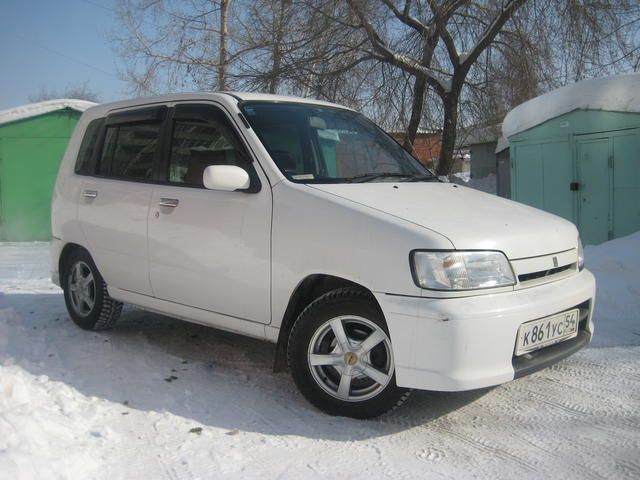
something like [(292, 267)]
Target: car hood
[(468, 218)]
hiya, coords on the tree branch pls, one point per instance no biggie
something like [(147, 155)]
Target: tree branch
[(491, 31), (405, 62), (407, 19)]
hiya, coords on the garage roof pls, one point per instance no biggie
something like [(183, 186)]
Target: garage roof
[(616, 94), (40, 108)]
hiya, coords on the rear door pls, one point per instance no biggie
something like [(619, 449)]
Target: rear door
[(114, 201), (210, 249)]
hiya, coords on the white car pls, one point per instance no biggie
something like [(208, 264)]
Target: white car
[(302, 223)]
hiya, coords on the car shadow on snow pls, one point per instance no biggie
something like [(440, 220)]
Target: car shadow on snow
[(151, 362)]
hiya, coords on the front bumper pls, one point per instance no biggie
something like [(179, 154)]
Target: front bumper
[(453, 344)]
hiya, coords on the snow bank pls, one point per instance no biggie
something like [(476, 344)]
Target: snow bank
[(618, 94), (46, 426), (616, 265), (40, 108)]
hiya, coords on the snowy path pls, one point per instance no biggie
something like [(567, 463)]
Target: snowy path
[(77, 404)]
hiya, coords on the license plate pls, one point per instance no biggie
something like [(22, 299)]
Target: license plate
[(547, 331)]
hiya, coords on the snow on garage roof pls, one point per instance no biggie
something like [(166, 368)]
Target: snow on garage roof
[(40, 108), (502, 145), (619, 93)]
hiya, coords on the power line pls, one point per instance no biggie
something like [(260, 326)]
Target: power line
[(103, 7), (114, 12)]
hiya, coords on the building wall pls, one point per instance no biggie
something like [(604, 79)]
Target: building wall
[(504, 174), (483, 159), (596, 151), (426, 147), (30, 153)]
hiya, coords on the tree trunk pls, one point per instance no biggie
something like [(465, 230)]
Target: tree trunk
[(222, 63), (419, 91), (447, 148), (279, 23)]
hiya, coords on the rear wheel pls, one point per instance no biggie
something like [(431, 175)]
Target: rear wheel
[(85, 294), (341, 358)]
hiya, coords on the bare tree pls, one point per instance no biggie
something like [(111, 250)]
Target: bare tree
[(408, 64), (78, 92), (224, 33), (465, 29), (550, 44), (269, 37), (268, 42), (170, 46), (593, 38)]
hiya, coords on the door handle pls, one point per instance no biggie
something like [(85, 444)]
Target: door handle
[(574, 186), (90, 193), (169, 202)]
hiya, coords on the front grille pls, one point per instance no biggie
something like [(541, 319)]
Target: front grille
[(525, 277)]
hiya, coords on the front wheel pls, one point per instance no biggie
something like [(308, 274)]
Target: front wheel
[(341, 358)]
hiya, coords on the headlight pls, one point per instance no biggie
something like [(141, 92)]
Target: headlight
[(580, 255), (460, 270)]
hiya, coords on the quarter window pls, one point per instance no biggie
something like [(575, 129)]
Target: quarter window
[(130, 150), (85, 163)]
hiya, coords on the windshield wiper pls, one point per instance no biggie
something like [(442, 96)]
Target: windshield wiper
[(406, 177), (423, 178), (367, 177)]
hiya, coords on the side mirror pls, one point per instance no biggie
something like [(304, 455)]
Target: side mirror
[(225, 177)]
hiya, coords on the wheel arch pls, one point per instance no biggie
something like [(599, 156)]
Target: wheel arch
[(66, 252), (311, 287)]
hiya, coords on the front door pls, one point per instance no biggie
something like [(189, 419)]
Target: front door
[(594, 194), (210, 249)]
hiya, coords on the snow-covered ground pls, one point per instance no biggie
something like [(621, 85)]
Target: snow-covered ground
[(158, 398)]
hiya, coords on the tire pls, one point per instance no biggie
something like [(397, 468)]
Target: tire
[(335, 371), (87, 299)]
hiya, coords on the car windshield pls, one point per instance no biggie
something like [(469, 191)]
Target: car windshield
[(316, 144)]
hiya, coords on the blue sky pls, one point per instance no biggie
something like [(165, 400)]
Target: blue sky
[(55, 45)]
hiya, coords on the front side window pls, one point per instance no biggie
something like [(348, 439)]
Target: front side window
[(313, 144), (129, 151), (196, 144)]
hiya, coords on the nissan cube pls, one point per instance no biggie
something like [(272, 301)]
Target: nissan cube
[(302, 223)]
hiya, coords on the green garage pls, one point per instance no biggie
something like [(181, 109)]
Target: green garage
[(575, 152), (33, 139)]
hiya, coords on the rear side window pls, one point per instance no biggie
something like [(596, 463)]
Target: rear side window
[(129, 151), (85, 163)]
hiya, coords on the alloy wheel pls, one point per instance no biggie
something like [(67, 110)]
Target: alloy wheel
[(350, 358), (82, 288)]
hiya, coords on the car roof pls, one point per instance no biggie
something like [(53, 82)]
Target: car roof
[(268, 97), (105, 108)]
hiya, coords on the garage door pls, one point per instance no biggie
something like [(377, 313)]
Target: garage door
[(626, 183), (594, 204)]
